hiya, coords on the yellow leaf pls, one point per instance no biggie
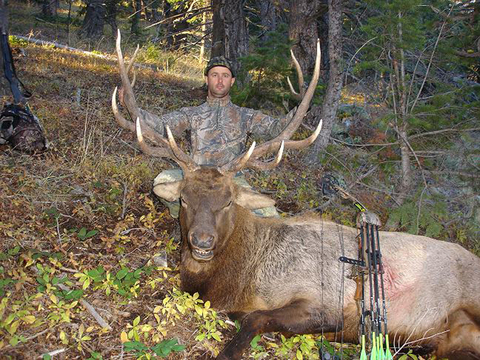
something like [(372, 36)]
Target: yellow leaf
[(207, 305), (9, 319), (299, 355), (30, 319), (13, 328), (123, 337), (90, 329), (54, 299), (157, 309), (216, 336)]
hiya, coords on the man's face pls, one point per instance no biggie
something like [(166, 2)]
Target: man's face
[(219, 80)]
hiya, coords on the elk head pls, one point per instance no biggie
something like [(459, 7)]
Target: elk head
[(210, 200)]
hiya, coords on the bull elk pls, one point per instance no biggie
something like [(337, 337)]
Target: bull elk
[(284, 274)]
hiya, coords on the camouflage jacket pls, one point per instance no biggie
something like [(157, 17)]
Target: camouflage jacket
[(219, 128)]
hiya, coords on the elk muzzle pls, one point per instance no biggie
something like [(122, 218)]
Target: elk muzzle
[(202, 245)]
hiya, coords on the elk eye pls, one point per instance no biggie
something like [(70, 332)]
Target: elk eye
[(229, 204)]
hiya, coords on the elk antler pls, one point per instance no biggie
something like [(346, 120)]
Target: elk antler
[(165, 148), (170, 149), (301, 85), (283, 139), (128, 98)]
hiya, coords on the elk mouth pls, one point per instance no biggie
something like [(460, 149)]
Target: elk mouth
[(202, 255)]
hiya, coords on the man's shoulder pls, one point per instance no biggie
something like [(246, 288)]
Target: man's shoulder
[(242, 109), (189, 110)]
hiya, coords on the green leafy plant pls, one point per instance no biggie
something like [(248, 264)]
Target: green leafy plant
[(409, 355), (84, 234), (162, 349), (427, 218)]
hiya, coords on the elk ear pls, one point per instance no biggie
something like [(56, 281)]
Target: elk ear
[(169, 191), (252, 200)]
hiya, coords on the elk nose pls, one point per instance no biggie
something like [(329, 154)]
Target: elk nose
[(202, 241)]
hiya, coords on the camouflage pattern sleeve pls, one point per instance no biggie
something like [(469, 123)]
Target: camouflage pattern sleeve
[(266, 126), (178, 121)]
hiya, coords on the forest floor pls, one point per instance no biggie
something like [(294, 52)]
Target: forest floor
[(79, 223)]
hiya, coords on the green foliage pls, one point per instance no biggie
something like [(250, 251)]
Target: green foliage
[(426, 218), (15, 41), (266, 68), (4, 284), (408, 356), (95, 356), (162, 349), (403, 32), (83, 234), (125, 282)]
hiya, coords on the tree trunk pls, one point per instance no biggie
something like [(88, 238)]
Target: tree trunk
[(303, 31), (236, 31), (50, 7), (203, 34), (111, 15), (268, 18), (402, 125), (137, 8), (3, 30), (407, 175), (218, 32), (92, 27), (230, 32), (328, 112)]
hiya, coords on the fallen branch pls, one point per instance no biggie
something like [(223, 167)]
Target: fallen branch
[(89, 53), (86, 305), (89, 308)]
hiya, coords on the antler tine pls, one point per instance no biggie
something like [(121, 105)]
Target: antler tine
[(132, 61), (162, 152), (124, 123), (288, 144), (300, 144), (185, 161), (129, 98), (286, 134), (298, 96), (128, 125), (262, 165), (171, 150), (239, 162)]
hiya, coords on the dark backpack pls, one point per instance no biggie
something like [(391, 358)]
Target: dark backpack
[(21, 129)]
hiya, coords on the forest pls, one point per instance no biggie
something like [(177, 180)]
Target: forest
[(89, 257)]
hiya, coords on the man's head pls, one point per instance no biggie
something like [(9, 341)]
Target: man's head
[(219, 77)]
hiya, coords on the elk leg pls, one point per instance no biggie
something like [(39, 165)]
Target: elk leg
[(299, 317), (463, 340)]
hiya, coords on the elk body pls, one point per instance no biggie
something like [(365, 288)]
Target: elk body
[(285, 274)]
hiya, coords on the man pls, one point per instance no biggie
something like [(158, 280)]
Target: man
[(219, 129)]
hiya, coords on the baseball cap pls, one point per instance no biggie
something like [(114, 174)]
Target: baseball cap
[(220, 61)]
